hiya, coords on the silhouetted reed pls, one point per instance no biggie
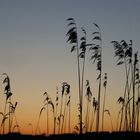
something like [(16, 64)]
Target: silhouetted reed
[(88, 96), (104, 101), (97, 57), (9, 108), (93, 114), (128, 115), (125, 56), (73, 40)]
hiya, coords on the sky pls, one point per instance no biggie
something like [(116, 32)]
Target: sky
[(35, 55)]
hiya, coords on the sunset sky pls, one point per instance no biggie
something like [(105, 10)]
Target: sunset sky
[(35, 55)]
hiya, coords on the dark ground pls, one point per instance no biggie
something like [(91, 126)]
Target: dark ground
[(87, 136)]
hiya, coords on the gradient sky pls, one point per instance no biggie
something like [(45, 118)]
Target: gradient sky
[(35, 55)]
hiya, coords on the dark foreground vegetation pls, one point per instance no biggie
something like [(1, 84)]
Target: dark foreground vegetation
[(91, 114), (89, 136)]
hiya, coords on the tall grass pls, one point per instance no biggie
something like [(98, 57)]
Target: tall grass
[(88, 96), (104, 100), (96, 56), (9, 112), (128, 115), (73, 40), (93, 114)]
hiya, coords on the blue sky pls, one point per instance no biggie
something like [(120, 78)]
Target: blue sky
[(33, 48), (45, 21)]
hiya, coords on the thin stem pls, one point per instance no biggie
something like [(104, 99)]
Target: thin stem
[(88, 116), (60, 115), (99, 90), (87, 113), (4, 115), (69, 118), (9, 115), (92, 121), (80, 99), (47, 119), (138, 104), (133, 107), (111, 123), (98, 111), (65, 120), (37, 127), (64, 114), (17, 122), (103, 110)]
